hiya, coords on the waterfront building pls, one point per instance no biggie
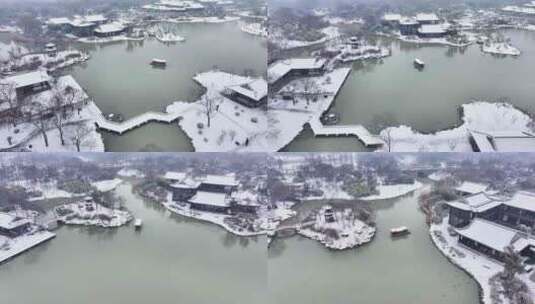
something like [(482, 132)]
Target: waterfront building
[(480, 205), (391, 19), (433, 30), (470, 188), (82, 28), (408, 26), (283, 71), (504, 141), (252, 94), (12, 226), (519, 210), (210, 201), (425, 18), (28, 84), (219, 183), (51, 49), (110, 30), (491, 239)]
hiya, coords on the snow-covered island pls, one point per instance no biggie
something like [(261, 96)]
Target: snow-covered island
[(336, 229), (89, 213), (500, 48)]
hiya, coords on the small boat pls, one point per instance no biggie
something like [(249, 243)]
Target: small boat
[(419, 64), (138, 223), (158, 62), (330, 118), (399, 231)]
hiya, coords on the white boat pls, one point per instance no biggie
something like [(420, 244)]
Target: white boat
[(399, 231), (138, 223), (419, 63), (158, 62)]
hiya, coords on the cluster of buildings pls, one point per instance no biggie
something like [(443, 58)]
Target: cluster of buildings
[(86, 26), (527, 10), (213, 193), (488, 222), (423, 25)]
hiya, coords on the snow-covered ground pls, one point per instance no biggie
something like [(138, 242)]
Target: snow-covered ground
[(478, 266), (256, 29), (351, 231), (60, 60), (9, 49), (289, 117), (233, 127), (107, 185), (278, 38), (469, 40), (393, 191), (48, 190), (214, 218), (500, 48), (348, 53), (10, 247), (479, 116), (97, 40), (272, 218), (92, 214), (26, 136), (124, 172), (169, 37), (202, 19)]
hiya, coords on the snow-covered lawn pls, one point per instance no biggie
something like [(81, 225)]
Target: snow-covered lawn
[(26, 136), (480, 116), (392, 191), (124, 172), (233, 127), (289, 117), (278, 38), (92, 214), (255, 29), (10, 247), (48, 190), (470, 39), (478, 266), (202, 19)]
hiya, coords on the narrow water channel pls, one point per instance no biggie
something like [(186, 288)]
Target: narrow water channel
[(385, 271), (171, 260)]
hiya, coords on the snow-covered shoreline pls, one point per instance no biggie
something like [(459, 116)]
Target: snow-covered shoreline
[(92, 214), (479, 116), (393, 191), (501, 48), (23, 243)]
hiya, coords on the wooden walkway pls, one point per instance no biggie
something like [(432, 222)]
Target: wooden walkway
[(359, 131), (136, 122)]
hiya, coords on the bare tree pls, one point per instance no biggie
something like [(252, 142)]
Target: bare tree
[(208, 107), (40, 118), (386, 136), (8, 95), (63, 100), (79, 135)]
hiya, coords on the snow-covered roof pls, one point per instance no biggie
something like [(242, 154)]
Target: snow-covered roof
[(391, 17), (522, 200), (479, 202), (110, 27), (95, 18), (433, 29), (27, 79), (423, 17), (489, 234), (58, 21), (408, 21), (175, 175), (482, 141), (224, 180), (210, 198), (256, 89), (8, 221), (280, 68), (471, 187), (504, 141)]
